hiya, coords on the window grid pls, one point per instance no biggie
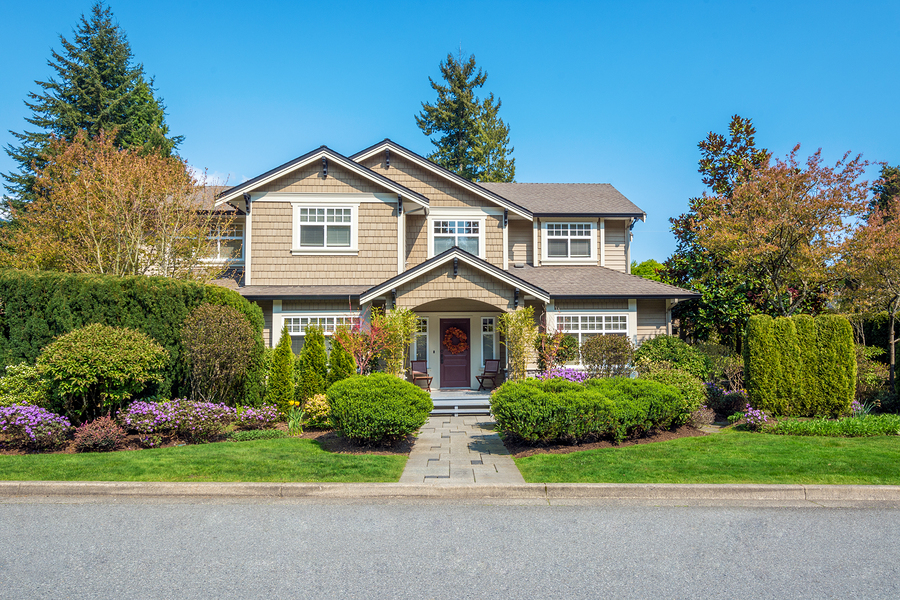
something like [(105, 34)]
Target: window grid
[(568, 240), (464, 234), (229, 242), (298, 325), (488, 339), (325, 227), (419, 350)]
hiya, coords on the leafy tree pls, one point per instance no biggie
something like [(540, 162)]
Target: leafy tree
[(97, 87), (607, 355), (219, 343), (649, 269), (725, 302), (786, 224), (400, 326), (117, 212), (94, 370), (364, 341), (519, 333), (885, 191), (280, 390), (311, 366), (340, 363), (474, 140)]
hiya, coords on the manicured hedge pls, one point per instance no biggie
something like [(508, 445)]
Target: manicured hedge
[(800, 366), (377, 408), (558, 410), (38, 306)]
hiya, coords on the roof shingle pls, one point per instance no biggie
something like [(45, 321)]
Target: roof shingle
[(567, 198)]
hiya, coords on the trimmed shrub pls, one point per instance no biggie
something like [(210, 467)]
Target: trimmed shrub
[(836, 364), (100, 435), (565, 346), (810, 388), (692, 390), (340, 363), (280, 389), (26, 426), (218, 344), (256, 434), (607, 355), (95, 369), (558, 410), (315, 412), (788, 386), (670, 349), (762, 367), (311, 366), (864, 426), (377, 408), (23, 384)]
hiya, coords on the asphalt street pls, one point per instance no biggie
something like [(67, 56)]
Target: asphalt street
[(269, 548)]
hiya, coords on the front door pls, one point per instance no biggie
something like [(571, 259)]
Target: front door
[(456, 348)]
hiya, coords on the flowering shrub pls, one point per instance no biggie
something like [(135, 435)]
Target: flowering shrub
[(30, 426), (316, 412), (724, 402), (568, 374), (756, 419), (100, 435), (263, 417), (193, 422)]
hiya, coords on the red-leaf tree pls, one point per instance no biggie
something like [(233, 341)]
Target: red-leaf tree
[(363, 340), (786, 224)]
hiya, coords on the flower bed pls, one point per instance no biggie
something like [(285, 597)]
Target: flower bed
[(27, 426)]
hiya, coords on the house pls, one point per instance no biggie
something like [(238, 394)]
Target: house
[(327, 237)]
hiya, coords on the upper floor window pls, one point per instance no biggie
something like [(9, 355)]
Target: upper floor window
[(569, 240), (465, 234), (228, 242), (324, 229)]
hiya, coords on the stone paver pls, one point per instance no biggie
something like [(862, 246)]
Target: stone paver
[(460, 450)]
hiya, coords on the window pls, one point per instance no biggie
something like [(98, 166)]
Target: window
[(298, 325), (488, 339), (419, 348), (464, 234), (229, 242), (569, 240), (325, 227), (586, 326)]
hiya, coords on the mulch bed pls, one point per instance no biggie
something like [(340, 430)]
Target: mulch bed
[(332, 442), (521, 450)]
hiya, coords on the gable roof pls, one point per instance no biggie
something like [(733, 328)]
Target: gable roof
[(423, 162), (444, 257), (598, 282), (557, 199), (317, 154)]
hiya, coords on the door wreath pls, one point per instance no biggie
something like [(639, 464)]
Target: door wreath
[(460, 345)]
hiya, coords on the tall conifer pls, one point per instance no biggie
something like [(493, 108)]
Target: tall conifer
[(96, 86)]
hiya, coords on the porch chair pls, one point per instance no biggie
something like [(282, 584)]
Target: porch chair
[(419, 371), (491, 371)]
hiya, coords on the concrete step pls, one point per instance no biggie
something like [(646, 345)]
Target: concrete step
[(462, 405)]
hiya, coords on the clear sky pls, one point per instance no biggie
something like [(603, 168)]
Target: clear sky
[(612, 92)]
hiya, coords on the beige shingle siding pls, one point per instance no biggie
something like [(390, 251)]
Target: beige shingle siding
[(493, 240), (416, 240), (266, 306), (469, 283), (273, 263), (521, 240), (651, 318), (587, 304), (439, 190), (310, 180), (615, 245)]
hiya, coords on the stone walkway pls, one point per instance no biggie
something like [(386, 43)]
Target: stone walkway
[(459, 450)]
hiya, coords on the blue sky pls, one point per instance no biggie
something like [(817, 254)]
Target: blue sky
[(613, 92)]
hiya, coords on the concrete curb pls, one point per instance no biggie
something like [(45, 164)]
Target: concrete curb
[(533, 491)]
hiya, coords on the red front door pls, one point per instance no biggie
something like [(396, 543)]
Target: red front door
[(455, 352)]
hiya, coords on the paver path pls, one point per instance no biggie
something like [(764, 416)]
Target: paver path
[(459, 450)]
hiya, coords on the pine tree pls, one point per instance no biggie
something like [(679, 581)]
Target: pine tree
[(340, 363), (281, 380), (473, 140), (311, 366), (96, 87)]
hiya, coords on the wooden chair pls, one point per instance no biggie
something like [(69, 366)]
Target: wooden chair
[(491, 371), (419, 371)]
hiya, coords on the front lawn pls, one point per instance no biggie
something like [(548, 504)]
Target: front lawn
[(727, 457), (286, 459)]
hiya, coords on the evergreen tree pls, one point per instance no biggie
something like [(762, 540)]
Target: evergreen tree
[(281, 380), (340, 363), (473, 140), (96, 87), (885, 191), (311, 366)]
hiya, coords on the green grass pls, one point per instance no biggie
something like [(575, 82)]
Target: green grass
[(727, 457), (288, 459)]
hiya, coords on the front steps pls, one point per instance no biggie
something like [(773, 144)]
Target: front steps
[(461, 402)]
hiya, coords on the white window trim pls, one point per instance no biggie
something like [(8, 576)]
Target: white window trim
[(481, 338), (284, 316), (588, 260), (298, 250), (413, 347), (218, 259), (629, 332), (477, 219)]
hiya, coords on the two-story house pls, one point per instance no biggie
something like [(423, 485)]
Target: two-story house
[(326, 237)]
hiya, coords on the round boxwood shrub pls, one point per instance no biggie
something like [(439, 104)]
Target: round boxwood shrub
[(100, 435), (692, 390), (377, 408), (676, 352)]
